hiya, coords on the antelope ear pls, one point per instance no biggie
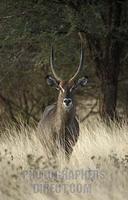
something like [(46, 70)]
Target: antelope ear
[(82, 81), (52, 81)]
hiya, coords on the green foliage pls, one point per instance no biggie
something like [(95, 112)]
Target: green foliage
[(29, 28)]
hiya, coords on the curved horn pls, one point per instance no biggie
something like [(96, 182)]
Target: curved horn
[(52, 65), (80, 65)]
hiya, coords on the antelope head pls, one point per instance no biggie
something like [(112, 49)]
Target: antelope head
[(67, 88)]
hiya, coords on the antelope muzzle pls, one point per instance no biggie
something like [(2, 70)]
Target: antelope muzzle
[(67, 102)]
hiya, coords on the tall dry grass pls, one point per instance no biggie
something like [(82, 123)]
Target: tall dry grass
[(98, 168)]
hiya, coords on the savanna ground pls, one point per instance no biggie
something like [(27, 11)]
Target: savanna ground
[(98, 168)]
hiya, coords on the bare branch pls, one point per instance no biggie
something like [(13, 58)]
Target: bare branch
[(90, 112), (10, 103)]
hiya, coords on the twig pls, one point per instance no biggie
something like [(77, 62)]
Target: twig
[(10, 102), (90, 112)]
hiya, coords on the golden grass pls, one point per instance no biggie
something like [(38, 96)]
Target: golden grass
[(98, 168)]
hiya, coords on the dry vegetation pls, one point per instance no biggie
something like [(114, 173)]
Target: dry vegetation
[(100, 148)]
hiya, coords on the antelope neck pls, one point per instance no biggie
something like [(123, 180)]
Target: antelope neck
[(64, 115)]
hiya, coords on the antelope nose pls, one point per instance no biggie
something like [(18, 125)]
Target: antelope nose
[(67, 101)]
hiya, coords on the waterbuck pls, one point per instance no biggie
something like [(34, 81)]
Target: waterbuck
[(59, 122)]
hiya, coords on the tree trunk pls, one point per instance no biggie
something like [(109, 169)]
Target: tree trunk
[(111, 61), (106, 56), (108, 99)]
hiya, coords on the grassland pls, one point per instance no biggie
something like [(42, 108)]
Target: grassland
[(98, 168)]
